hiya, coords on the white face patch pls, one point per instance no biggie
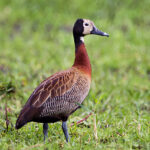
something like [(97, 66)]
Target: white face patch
[(88, 26)]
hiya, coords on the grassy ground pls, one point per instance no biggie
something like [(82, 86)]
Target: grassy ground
[(36, 41)]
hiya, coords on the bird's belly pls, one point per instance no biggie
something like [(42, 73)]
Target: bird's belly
[(46, 119), (61, 107)]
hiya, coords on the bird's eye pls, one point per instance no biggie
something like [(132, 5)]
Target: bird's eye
[(86, 24)]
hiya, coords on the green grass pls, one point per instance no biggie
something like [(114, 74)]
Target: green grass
[(36, 41)]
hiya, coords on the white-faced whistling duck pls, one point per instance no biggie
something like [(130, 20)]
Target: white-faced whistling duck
[(57, 97)]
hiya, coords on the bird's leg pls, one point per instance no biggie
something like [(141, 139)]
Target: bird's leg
[(45, 129), (65, 130)]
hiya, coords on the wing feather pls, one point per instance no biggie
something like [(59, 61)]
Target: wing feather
[(54, 86)]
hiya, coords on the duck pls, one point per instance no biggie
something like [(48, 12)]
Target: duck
[(61, 94)]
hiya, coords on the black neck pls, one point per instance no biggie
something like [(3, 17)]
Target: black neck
[(77, 41)]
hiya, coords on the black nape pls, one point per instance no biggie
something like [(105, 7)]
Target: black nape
[(78, 32)]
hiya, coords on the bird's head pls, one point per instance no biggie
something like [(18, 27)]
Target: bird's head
[(84, 27)]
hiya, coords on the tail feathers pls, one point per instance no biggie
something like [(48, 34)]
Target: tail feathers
[(20, 123), (24, 117)]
